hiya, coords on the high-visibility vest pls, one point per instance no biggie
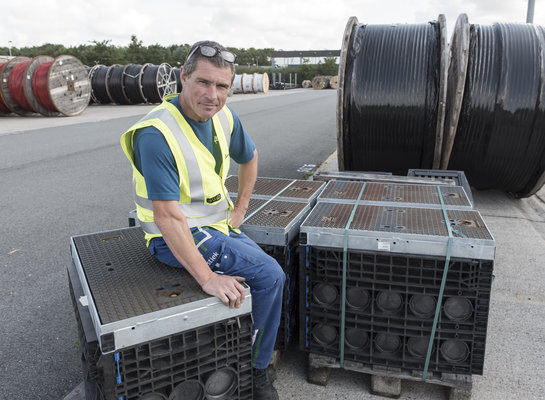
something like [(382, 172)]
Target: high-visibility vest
[(203, 196)]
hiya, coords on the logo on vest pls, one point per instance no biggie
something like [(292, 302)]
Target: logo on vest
[(211, 200)]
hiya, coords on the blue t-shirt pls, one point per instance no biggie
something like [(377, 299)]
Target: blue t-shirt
[(154, 160)]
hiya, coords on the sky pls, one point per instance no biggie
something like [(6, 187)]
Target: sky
[(277, 24)]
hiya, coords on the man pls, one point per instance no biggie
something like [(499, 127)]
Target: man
[(180, 156)]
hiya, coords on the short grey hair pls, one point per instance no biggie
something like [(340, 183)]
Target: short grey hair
[(191, 63)]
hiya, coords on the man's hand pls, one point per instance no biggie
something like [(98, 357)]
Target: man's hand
[(226, 288), (237, 216)]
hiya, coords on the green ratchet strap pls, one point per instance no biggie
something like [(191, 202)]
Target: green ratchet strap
[(345, 247), (443, 281)]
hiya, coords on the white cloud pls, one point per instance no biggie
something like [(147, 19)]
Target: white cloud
[(280, 24)]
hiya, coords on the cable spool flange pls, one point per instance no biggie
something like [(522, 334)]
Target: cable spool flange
[(68, 85), (29, 91), (10, 103), (132, 81), (177, 73), (390, 95), (157, 82), (457, 72), (340, 92), (99, 92), (237, 83), (4, 110), (248, 83), (443, 82), (264, 84)]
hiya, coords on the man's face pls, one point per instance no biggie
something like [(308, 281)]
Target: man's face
[(204, 92)]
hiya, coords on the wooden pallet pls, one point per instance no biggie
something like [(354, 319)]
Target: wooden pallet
[(387, 381)]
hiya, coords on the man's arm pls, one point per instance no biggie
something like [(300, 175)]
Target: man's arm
[(247, 175), (173, 226)]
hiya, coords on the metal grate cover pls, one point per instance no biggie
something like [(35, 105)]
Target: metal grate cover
[(263, 186), (399, 229), (276, 213), (274, 222), (253, 205), (302, 189), (281, 189), (126, 280), (396, 194), (127, 289)]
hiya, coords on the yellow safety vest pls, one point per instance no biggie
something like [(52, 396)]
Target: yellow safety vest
[(203, 196)]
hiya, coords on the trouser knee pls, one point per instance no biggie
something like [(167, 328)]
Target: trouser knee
[(268, 277)]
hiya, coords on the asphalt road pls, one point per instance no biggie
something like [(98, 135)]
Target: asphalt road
[(71, 178)]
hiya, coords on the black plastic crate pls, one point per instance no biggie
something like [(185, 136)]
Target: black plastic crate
[(394, 295), (288, 319), (188, 360), (370, 343), (161, 365), (287, 257)]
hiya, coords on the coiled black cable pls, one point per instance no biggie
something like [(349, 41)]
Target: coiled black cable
[(115, 84), (150, 84), (157, 82), (390, 97), (133, 84), (500, 137)]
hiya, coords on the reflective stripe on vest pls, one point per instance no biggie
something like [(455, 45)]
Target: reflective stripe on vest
[(196, 214)]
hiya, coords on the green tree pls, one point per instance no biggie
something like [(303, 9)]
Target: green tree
[(328, 67), (157, 54), (135, 51)]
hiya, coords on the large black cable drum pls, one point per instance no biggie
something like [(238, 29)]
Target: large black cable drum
[(392, 84), (99, 85), (157, 82), (498, 136)]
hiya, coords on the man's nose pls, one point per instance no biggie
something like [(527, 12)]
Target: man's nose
[(211, 92)]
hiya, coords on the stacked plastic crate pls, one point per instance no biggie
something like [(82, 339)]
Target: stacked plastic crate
[(277, 208), (396, 276), (147, 331)]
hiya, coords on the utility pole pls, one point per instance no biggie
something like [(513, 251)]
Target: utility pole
[(9, 41), (530, 14)]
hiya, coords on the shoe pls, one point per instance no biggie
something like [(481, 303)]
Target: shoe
[(271, 372), (263, 388)]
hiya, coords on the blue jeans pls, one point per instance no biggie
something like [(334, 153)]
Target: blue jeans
[(237, 254)]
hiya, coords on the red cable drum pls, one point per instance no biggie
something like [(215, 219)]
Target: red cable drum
[(15, 85), (39, 86), (5, 93), (60, 85), (3, 108), (34, 96)]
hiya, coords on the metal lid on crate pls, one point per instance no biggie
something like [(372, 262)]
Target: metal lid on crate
[(405, 230), (279, 188), (134, 298), (396, 194), (264, 187), (274, 222)]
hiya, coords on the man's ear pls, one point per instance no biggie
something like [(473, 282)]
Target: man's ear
[(183, 75)]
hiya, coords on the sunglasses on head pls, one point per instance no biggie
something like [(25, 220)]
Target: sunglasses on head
[(209, 51)]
